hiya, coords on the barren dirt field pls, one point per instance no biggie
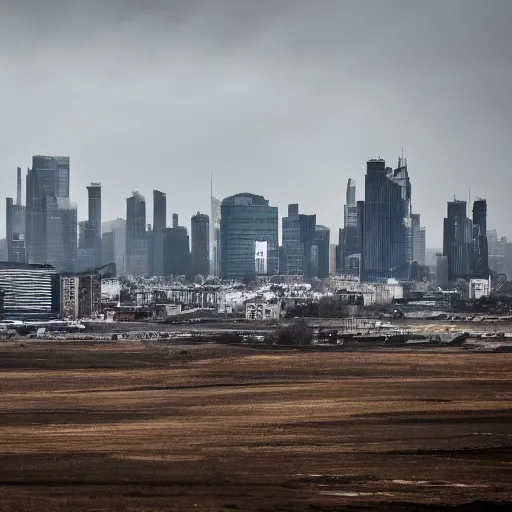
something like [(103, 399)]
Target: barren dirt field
[(148, 427)]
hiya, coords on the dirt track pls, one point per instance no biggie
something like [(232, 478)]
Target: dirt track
[(142, 427)]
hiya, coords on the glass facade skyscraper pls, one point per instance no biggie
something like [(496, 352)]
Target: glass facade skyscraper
[(136, 236), (457, 241), (349, 242), (200, 235), (248, 226), (159, 224), (387, 231), (51, 230)]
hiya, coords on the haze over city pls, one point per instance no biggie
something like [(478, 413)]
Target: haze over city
[(283, 99)]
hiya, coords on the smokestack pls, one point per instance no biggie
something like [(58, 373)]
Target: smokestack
[(174, 220), (18, 190)]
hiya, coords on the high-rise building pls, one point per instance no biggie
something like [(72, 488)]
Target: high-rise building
[(117, 228), (298, 239), (136, 236), (159, 224), (93, 236), (333, 248), (418, 239), (458, 241), (480, 263), (320, 258), (176, 250), (15, 216), (292, 247), (349, 243), (200, 232), (249, 237), (50, 216), (387, 231), (108, 248), (215, 237)]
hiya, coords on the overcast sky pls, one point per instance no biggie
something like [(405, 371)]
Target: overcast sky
[(287, 99)]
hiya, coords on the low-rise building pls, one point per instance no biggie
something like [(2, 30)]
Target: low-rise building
[(479, 288), (31, 291), (262, 310), (80, 296)]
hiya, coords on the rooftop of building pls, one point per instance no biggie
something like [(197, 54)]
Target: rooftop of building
[(25, 266), (251, 200)]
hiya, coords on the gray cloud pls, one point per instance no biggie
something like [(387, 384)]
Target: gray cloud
[(283, 98)]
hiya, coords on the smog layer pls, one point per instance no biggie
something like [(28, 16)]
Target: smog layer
[(145, 426)]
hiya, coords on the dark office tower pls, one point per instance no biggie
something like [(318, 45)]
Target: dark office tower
[(93, 236), (176, 252), (480, 263), (136, 236), (320, 253), (200, 232), (387, 233), (249, 237), (360, 237), (457, 241), (349, 242), (174, 220), (159, 224), (307, 240), (292, 248)]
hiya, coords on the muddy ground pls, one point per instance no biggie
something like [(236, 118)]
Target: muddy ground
[(149, 427)]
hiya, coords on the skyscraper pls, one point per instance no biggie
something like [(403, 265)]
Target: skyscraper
[(418, 239), (93, 237), (480, 261), (118, 228), (215, 237), (249, 237), (292, 247), (349, 241), (321, 244), (50, 216), (200, 233), (387, 232), (457, 241), (136, 236), (159, 224), (298, 238), (176, 245), (15, 216)]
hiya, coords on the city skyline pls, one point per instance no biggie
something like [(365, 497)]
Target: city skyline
[(263, 96)]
